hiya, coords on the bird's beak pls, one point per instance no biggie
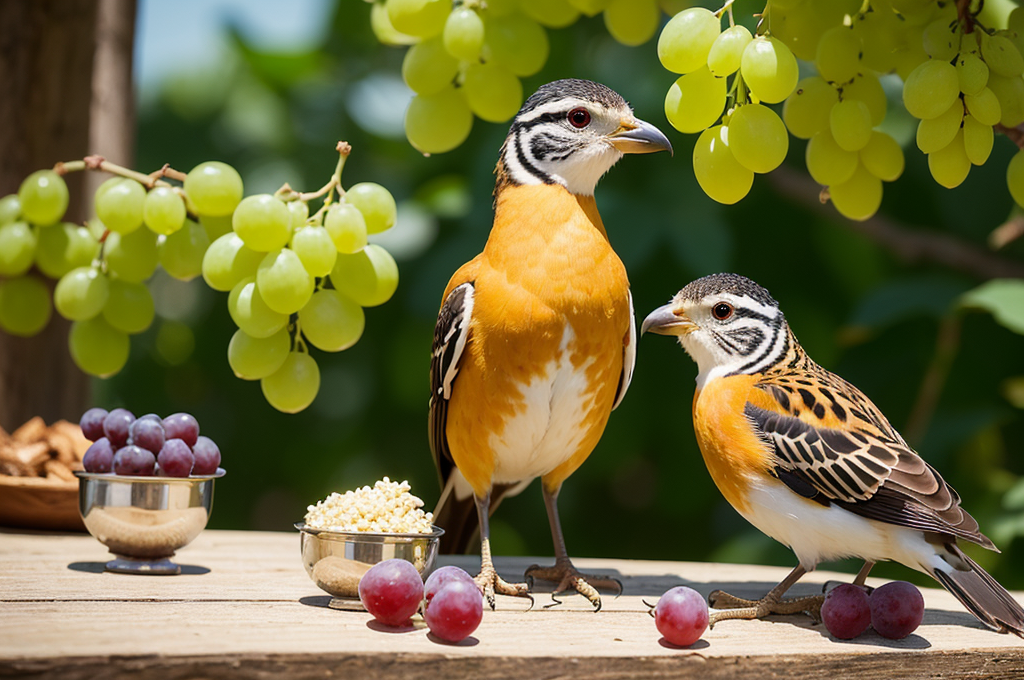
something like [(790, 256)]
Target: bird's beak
[(667, 320), (638, 136)]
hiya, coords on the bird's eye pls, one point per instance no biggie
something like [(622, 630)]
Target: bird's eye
[(579, 118), (722, 311)]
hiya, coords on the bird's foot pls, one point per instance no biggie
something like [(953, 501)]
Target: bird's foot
[(738, 608), (490, 583), (569, 579)]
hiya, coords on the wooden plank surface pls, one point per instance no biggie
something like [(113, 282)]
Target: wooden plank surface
[(246, 608)]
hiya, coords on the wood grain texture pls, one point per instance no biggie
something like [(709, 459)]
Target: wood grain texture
[(246, 608)]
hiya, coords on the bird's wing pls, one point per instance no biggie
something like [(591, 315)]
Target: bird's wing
[(858, 462), (628, 357), (450, 336)]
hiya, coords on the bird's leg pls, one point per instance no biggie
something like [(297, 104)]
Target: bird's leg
[(563, 572), (488, 579), (862, 575), (772, 603)]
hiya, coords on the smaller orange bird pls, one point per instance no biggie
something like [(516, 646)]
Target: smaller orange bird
[(806, 458)]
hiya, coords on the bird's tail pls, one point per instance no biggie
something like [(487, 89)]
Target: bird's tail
[(982, 595), (456, 513)]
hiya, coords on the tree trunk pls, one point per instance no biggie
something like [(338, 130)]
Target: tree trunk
[(48, 49)]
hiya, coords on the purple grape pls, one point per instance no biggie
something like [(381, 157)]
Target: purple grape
[(153, 416), (148, 433), (99, 457), (681, 615), (207, 456), (175, 459), (442, 577), (134, 461), (391, 591), (897, 609), (454, 611), (182, 426), (845, 611), (92, 423), (115, 426)]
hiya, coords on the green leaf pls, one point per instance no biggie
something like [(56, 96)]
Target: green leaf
[(1003, 298)]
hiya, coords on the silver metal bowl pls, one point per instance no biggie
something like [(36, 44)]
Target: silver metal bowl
[(144, 520), (336, 560)]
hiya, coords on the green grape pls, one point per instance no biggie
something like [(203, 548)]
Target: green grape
[(214, 188), (163, 211), (632, 22), (686, 40), (827, 163), (978, 140), (950, 165), (24, 306), (909, 57), (294, 386), (43, 197), (316, 249), (463, 34), (298, 213), (216, 226), (1001, 55), (1015, 21), (181, 253), (346, 227), (550, 13), (97, 347), (850, 124), (255, 358), (718, 172), (757, 138), (727, 51), (883, 157), (1015, 177), (695, 101), (251, 313), (868, 89), (972, 74), (376, 203), (331, 322), (132, 257), (10, 208), (18, 241), (936, 133), (984, 106), (806, 111), (283, 283), (502, 8), (428, 68), (930, 89), (493, 92), (81, 293), (64, 247), (517, 43), (801, 29), (262, 222), (838, 54), (420, 18), (368, 277), (439, 122), (227, 261), (859, 197), (880, 34), (940, 40), (129, 307), (384, 31), (769, 69), (1010, 93), (118, 204), (591, 8)]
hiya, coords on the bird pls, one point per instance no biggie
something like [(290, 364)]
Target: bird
[(809, 460), (535, 340)]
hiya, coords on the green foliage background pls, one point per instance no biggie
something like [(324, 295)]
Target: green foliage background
[(644, 493)]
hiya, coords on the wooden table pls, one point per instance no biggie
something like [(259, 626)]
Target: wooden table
[(245, 608)]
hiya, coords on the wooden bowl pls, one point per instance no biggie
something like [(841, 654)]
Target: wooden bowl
[(39, 503)]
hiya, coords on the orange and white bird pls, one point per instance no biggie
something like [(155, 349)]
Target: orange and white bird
[(806, 458), (535, 341)]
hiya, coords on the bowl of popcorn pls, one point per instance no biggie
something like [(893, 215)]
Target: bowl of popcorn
[(345, 534)]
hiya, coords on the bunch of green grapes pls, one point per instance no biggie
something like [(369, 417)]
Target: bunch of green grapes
[(467, 57)]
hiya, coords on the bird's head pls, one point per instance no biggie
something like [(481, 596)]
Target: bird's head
[(727, 323), (570, 132)]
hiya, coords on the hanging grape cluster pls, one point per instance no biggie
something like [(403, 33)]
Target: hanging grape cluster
[(294, 280)]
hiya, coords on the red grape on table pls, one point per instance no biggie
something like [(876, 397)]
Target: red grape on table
[(454, 610), (845, 612), (391, 591), (681, 615), (897, 609)]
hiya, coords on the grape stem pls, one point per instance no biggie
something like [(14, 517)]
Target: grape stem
[(102, 164), (726, 7), (286, 193)]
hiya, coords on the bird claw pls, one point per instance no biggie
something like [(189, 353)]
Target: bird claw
[(490, 584), (570, 579), (738, 608)]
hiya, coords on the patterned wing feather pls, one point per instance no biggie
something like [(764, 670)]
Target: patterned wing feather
[(450, 336), (628, 357)]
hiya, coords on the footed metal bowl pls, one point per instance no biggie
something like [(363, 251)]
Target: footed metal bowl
[(144, 520), (336, 560)]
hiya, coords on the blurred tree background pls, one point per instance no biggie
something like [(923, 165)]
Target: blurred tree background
[(875, 302)]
